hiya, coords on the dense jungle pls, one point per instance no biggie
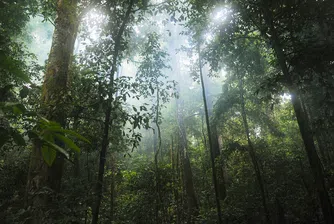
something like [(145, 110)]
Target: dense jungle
[(167, 111)]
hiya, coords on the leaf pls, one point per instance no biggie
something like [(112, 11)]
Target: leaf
[(3, 136), (18, 139), (49, 154), (24, 92), (32, 134), (23, 76), (50, 124), (31, 113), (75, 134), (68, 142), (56, 147), (17, 108)]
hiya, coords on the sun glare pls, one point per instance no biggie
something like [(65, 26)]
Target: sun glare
[(220, 14)]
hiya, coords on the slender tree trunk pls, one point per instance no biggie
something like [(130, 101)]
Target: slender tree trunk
[(252, 153), (77, 155), (279, 212), (54, 104), (112, 187), (220, 165), (214, 174), (157, 148), (215, 142), (176, 191), (103, 152), (172, 153), (107, 120), (303, 122)]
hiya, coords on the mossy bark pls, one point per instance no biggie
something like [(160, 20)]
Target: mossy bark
[(45, 180)]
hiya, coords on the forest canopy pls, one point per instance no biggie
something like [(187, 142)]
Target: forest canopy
[(167, 111)]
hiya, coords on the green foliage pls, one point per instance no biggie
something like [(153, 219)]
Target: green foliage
[(48, 133), (235, 37)]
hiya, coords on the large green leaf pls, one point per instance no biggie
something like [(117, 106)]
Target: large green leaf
[(16, 108), (77, 135), (4, 136), (68, 142), (18, 139), (11, 64), (24, 92), (70, 132), (49, 154), (56, 147)]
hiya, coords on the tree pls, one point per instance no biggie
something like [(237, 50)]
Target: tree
[(214, 175), (54, 105), (238, 64)]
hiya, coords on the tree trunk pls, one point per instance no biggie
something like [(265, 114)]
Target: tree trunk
[(215, 142), (103, 152), (220, 165), (214, 174), (157, 149), (192, 204), (76, 172), (112, 187), (54, 104), (252, 153), (107, 120), (303, 122)]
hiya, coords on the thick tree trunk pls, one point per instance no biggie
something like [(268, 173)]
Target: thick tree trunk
[(303, 122), (252, 154), (54, 103), (314, 160), (192, 204)]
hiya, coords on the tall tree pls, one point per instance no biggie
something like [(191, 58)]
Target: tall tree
[(107, 120), (303, 121), (214, 173), (192, 204), (54, 104), (252, 152)]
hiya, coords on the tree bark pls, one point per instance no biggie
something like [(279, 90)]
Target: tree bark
[(215, 142), (214, 173), (220, 165), (252, 153), (192, 204), (112, 187), (157, 148), (303, 123), (54, 104), (108, 121)]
